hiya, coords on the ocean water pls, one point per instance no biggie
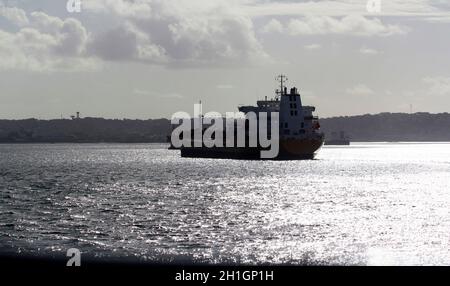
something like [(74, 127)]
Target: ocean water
[(364, 204)]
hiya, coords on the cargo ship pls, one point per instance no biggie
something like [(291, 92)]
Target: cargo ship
[(299, 130)]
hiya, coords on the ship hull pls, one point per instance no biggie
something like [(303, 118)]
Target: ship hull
[(337, 142), (291, 149)]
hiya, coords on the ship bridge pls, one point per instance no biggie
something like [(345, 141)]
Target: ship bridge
[(262, 106), (296, 120)]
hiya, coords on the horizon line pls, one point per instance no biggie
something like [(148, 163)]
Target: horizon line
[(160, 118)]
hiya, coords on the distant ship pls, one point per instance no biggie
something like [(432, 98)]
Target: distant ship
[(342, 139), (299, 130)]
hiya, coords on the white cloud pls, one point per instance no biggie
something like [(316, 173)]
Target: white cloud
[(70, 35), (169, 32), (355, 25), (414, 8), (183, 32), (141, 92), (360, 89), (438, 20), (368, 51), (171, 95), (126, 43), (313, 47), (438, 85), (349, 25), (14, 15), (273, 26), (168, 95), (124, 8), (432, 87), (45, 44)]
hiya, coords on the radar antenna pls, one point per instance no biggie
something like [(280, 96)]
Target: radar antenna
[(282, 79)]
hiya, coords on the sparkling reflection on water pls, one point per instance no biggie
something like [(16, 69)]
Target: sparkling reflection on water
[(361, 204)]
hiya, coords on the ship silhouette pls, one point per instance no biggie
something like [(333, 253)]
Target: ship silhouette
[(299, 130)]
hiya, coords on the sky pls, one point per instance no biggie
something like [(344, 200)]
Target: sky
[(151, 58)]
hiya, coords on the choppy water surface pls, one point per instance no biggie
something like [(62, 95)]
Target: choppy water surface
[(361, 204)]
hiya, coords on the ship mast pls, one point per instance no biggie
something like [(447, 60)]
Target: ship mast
[(282, 79)]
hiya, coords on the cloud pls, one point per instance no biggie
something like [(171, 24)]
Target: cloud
[(190, 33), (70, 35), (171, 95), (168, 95), (125, 43), (199, 33), (368, 51), (438, 85), (339, 8), (438, 20), (169, 33), (432, 87), (123, 8), (312, 47), (273, 26), (354, 25), (141, 92), (14, 15), (349, 25), (45, 43), (360, 89)]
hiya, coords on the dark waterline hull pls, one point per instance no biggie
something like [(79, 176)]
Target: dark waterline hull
[(305, 149), (337, 142)]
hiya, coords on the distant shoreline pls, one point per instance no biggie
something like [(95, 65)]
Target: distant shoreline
[(80, 143), (168, 144), (382, 127)]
